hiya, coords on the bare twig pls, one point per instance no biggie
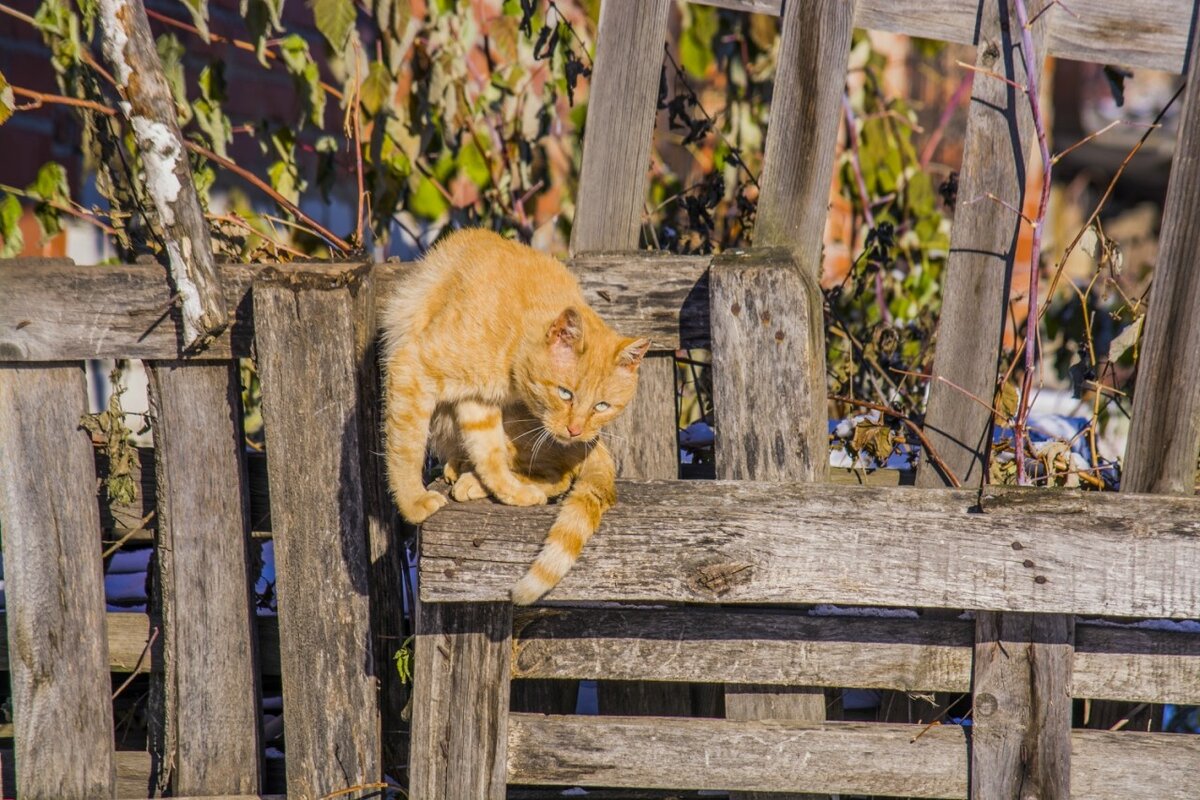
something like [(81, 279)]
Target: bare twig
[(12, 12), (138, 664), (993, 74), (129, 534), (40, 98), (362, 787), (912, 426)]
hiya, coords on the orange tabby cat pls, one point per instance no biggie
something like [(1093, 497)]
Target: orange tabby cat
[(490, 347)]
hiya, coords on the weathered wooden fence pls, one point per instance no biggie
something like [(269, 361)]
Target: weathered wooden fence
[(770, 534)]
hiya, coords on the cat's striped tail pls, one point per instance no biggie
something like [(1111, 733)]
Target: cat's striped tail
[(578, 518)]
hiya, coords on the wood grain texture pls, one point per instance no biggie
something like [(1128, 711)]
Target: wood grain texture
[(806, 103), (620, 125), (460, 701), (1126, 765), (54, 591), (55, 310), (983, 241), (737, 755), (1021, 707), (204, 578), (1165, 436), (768, 369), (644, 440), (149, 106), (779, 648), (1150, 35), (741, 542), (306, 348)]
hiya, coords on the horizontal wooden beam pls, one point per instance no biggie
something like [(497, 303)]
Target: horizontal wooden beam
[(1094, 554), (51, 310), (1150, 34), (831, 757), (128, 633), (780, 648)]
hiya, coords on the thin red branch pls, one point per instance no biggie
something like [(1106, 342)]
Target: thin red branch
[(856, 162), (912, 426)]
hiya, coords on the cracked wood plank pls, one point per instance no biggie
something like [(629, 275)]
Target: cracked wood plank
[(148, 105)]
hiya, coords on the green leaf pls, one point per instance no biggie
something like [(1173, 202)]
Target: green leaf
[(326, 147), (171, 53), (293, 50), (199, 12), (262, 18), (10, 227), (334, 19), (474, 165), (50, 187), (212, 82), (284, 180), (695, 44), (376, 88), (306, 77), (8, 102)]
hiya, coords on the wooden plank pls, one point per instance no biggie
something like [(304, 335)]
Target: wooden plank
[(768, 369), (742, 542), (148, 105), (983, 242), (1127, 765), (54, 590), (779, 648), (1144, 666), (61, 311), (460, 701), (1021, 710), (716, 754), (1149, 35), (1165, 434), (306, 349), (806, 105), (209, 672)]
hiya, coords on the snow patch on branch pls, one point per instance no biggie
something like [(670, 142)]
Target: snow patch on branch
[(161, 153), (189, 293), (116, 38)]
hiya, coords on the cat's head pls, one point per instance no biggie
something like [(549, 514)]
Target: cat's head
[(580, 376)]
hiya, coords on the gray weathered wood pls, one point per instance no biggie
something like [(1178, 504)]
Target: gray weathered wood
[(54, 591), (781, 648), (149, 106), (644, 440), (306, 349), (1165, 436), (211, 713), (1021, 711), (742, 542), (1152, 35), (806, 104), (983, 243), (460, 701), (620, 125), (905, 760), (768, 369), (61, 311), (718, 754)]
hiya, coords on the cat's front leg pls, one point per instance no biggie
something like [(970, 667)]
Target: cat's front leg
[(487, 445)]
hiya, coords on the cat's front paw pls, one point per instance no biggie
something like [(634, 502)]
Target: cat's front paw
[(422, 507), (523, 494), (467, 487)]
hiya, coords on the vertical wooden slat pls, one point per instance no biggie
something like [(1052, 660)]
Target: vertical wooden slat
[(460, 701), (622, 104), (1165, 435), (786, 403), (996, 158), (54, 588), (1021, 731), (211, 717), (769, 398), (304, 338), (806, 106), (384, 542)]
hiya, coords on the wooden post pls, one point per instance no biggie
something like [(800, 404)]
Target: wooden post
[(1165, 436), (150, 108), (208, 668), (779, 429), (58, 650), (460, 701), (1021, 731), (305, 340), (769, 397), (982, 250)]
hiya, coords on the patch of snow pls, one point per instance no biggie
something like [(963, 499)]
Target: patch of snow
[(115, 38), (827, 610)]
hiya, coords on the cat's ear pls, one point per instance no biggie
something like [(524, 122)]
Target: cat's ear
[(632, 352), (564, 333)]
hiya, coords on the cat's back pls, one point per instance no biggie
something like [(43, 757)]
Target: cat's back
[(476, 273)]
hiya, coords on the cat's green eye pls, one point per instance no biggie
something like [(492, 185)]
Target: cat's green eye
[(602, 406), (565, 394)]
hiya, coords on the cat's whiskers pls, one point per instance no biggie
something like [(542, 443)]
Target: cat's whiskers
[(537, 445)]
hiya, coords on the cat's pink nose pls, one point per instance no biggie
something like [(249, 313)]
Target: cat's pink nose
[(574, 430)]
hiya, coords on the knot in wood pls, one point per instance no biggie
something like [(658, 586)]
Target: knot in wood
[(986, 704), (718, 579), (12, 351)]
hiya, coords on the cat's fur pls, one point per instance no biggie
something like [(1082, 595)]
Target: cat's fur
[(482, 343)]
